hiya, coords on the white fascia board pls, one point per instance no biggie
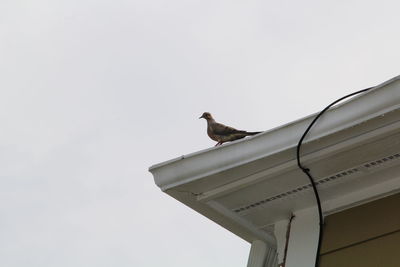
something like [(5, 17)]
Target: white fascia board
[(375, 102)]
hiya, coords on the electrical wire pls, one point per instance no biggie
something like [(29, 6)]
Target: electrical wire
[(307, 170)]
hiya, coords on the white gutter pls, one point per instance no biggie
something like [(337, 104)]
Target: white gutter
[(207, 162)]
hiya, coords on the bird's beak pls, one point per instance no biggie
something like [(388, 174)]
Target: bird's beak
[(201, 117)]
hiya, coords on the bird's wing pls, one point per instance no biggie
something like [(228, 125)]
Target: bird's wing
[(221, 129)]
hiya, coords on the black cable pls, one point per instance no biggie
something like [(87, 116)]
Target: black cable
[(307, 171)]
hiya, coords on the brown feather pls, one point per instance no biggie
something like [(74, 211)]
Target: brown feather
[(222, 133)]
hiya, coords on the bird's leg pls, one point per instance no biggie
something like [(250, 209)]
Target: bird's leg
[(218, 144)]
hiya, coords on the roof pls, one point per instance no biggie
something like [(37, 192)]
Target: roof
[(246, 186)]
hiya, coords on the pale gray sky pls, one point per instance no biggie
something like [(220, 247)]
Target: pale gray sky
[(94, 92)]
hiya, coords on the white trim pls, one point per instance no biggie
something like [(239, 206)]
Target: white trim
[(280, 230), (360, 197), (258, 254), (261, 255)]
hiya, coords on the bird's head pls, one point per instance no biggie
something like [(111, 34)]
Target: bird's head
[(206, 115)]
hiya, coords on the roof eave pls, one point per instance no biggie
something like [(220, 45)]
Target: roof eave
[(207, 162)]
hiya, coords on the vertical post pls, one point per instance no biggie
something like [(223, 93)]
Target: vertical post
[(303, 239), (258, 254)]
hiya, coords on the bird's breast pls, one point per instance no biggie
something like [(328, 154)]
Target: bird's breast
[(211, 134)]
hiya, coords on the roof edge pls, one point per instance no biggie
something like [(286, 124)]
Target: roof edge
[(357, 110)]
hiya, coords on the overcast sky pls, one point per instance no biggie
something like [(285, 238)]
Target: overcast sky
[(94, 92)]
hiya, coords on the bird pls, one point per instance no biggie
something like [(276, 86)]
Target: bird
[(222, 133)]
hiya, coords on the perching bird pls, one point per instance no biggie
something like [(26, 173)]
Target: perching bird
[(222, 133)]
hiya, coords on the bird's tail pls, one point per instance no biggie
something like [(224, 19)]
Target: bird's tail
[(252, 133)]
